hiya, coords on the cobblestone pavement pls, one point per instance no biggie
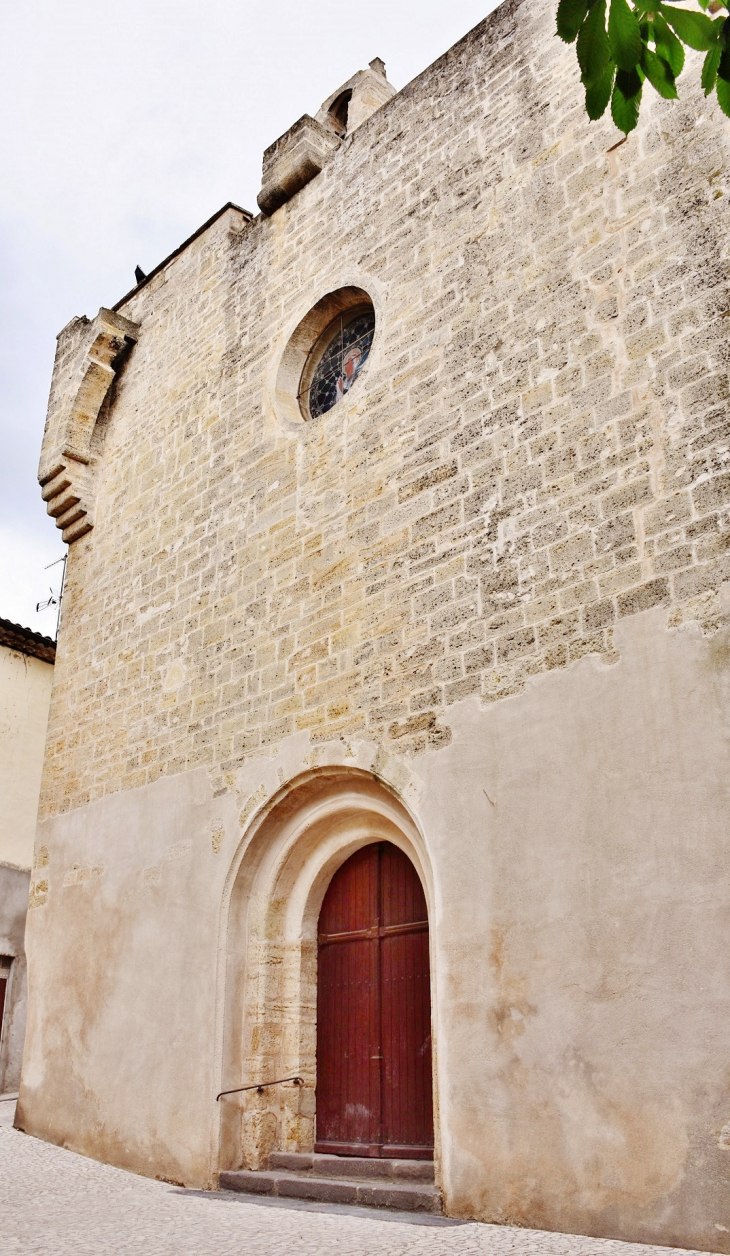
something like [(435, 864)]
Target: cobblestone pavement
[(55, 1202)]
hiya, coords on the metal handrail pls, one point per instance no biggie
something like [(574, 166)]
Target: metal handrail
[(261, 1086)]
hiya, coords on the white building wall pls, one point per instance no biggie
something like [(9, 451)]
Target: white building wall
[(25, 694)]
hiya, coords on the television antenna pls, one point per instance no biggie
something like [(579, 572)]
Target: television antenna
[(56, 598)]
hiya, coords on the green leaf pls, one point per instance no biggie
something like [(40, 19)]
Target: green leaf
[(723, 95), (626, 100), (598, 94), (593, 48), (625, 35), (710, 68), (570, 18), (694, 29), (668, 46), (659, 73)]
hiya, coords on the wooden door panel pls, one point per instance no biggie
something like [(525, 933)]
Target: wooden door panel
[(348, 1082), (351, 902), (406, 1037), (401, 894), (374, 1010)]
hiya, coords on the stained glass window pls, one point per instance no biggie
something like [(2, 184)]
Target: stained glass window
[(347, 343)]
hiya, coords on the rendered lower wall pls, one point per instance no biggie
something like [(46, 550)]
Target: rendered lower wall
[(577, 839)]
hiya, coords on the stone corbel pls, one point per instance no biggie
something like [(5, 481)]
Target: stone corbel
[(293, 161), (88, 357)]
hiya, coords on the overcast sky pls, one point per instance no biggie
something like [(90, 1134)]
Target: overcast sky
[(125, 128)]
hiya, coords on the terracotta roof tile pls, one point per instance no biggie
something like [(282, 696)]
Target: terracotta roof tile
[(15, 637)]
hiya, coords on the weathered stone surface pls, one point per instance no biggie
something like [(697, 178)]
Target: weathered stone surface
[(293, 160), (336, 1189), (351, 1166)]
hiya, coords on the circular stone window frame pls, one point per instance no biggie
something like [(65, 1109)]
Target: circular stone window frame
[(307, 345)]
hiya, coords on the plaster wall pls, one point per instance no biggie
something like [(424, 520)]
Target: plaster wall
[(25, 695), (493, 578), (13, 907)]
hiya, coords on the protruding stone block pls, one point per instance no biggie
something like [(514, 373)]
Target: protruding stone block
[(301, 152), (87, 359), (293, 160)]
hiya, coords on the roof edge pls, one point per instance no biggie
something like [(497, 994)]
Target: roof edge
[(26, 641), (181, 249)]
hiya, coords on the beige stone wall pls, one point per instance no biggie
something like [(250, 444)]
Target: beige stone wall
[(25, 694), (492, 576), (539, 448)]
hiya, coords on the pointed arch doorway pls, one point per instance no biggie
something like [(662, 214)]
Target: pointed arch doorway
[(374, 1081)]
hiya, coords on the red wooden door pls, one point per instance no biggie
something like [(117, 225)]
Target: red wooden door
[(374, 1010)]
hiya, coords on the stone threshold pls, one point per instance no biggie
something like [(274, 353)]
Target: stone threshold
[(406, 1185)]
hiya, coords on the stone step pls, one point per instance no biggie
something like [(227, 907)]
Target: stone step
[(319, 1165), (406, 1196)]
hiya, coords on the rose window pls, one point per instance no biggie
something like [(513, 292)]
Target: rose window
[(336, 360)]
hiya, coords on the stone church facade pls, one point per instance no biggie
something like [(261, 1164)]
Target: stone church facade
[(473, 603)]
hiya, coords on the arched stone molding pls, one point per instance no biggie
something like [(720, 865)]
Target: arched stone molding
[(268, 949), (357, 100), (88, 357)]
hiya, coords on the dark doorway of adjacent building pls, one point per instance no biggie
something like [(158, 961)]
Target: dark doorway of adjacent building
[(374, 1084)]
